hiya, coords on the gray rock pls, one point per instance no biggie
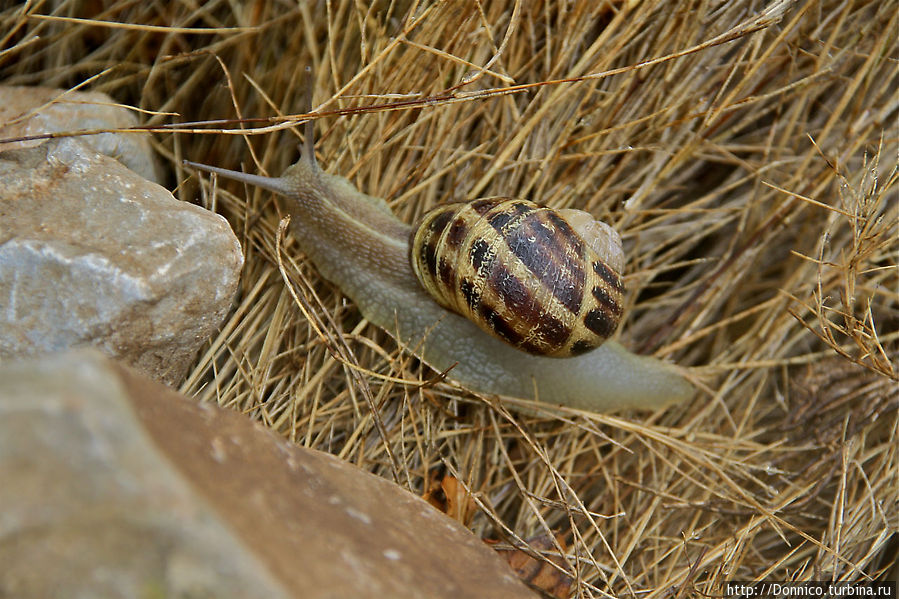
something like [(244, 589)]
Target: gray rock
[(28, 111), (93, 254), (115, 486)]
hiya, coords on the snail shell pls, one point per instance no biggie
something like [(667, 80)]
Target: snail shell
[(523, 273)]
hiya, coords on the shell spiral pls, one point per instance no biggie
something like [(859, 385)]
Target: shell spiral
[(521, 272)]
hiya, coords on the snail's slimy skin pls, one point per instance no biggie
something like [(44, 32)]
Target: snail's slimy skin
[(356, 243)]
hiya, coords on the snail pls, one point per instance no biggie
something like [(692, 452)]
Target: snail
[(357, 243)]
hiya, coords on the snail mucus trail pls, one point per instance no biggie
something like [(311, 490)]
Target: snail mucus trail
[(357, 243)]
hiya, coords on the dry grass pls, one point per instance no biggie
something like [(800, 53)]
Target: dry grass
[(747, 155)]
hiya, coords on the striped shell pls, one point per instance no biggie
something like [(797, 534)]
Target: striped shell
[(520, 272)]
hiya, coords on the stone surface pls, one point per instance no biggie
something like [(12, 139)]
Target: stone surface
[(28, 111), (115, 486), (93, 254)]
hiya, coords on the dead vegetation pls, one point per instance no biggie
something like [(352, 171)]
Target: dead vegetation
[(747, 153)]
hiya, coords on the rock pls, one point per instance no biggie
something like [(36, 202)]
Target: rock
[(93, 254), (115, 486), (34, 110)]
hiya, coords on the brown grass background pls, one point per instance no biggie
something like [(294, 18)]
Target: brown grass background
[(747, 153)]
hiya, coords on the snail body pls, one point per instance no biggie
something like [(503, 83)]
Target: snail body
[(357, 243)]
